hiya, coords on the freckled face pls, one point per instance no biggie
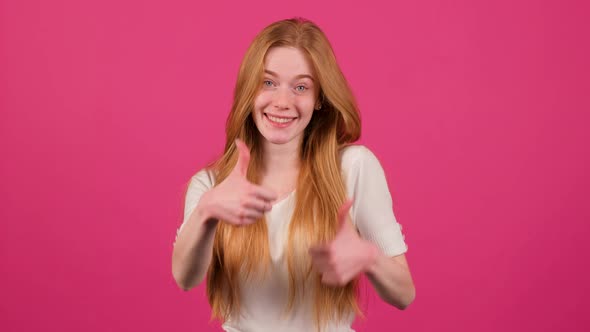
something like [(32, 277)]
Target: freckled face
[(285, 103)]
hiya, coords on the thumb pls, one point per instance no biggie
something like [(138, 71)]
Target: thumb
[(343, 215), (243, 157)]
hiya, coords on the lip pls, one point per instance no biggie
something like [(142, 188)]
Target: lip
[(277, 124), (280, 116)]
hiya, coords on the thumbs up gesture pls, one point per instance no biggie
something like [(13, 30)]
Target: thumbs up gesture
[(236, 200), (346, 256)]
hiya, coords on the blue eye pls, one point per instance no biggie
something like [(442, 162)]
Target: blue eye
[(267, 83), (301, 88)]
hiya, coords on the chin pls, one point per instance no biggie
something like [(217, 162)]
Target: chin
[(278, 140)]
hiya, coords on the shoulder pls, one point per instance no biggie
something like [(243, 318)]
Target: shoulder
[(357, 156), (198, 184), (203, 179)]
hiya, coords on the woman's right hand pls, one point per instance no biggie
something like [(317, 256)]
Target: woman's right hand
[(236, 200)]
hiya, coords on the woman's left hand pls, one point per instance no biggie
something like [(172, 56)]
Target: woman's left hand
[(346, 256)]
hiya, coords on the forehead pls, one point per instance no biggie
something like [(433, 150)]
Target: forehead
[(287, 62)]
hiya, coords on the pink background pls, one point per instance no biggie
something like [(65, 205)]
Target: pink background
[(478, 111)]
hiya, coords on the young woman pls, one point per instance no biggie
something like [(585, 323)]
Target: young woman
[(285, 222)]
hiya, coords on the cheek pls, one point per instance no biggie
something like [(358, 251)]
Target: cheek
[(306, 105), (262, 100)]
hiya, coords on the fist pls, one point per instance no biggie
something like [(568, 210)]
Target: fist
[(346, 256), (236, 200)]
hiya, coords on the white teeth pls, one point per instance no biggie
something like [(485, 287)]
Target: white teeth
[(279, 120)]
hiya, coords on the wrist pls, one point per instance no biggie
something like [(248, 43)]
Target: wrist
[(373, 254), (205, 211)]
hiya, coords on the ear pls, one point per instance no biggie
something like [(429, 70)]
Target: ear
[(319, 101)]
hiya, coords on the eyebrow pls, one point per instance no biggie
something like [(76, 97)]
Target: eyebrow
[(270, 72)]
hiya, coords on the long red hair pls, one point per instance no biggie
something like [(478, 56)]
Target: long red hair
[(320, 191)]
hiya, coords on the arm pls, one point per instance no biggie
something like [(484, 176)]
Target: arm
[(388, 270), (391, 278), (235, 201), (348, 255), (379, 250), (193, 249)]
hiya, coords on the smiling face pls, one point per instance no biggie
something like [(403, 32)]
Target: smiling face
[(286, 101)]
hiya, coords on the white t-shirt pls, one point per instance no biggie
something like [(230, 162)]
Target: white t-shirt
[(262, 304)]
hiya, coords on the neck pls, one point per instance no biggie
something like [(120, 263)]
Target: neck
[(281, 158)]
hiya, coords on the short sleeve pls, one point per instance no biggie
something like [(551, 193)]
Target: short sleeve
[(372, 210), (198, 185)]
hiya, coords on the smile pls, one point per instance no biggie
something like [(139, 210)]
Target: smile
[(279, 121)]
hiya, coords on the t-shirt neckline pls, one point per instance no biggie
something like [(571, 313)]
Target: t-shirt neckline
[(284, 199)]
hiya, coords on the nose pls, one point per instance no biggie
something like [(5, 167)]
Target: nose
[(282, 99)]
